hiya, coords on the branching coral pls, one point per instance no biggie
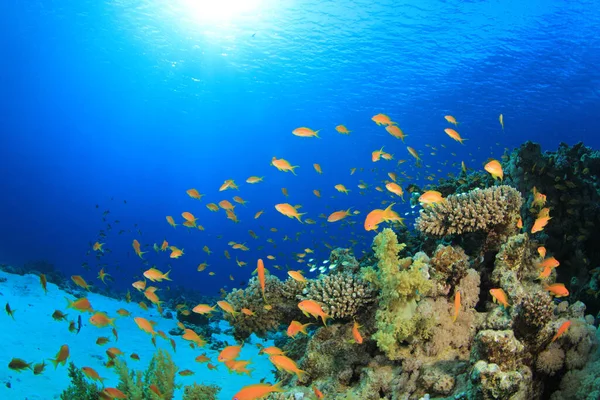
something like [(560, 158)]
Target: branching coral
[(402, 284), (341, 295), (80, 388), (161, 373), (477, 210)]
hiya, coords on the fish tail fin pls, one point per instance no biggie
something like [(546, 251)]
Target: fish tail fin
[(277, 388), (300, 372), (166, 277), (325, 317), (55, 362)]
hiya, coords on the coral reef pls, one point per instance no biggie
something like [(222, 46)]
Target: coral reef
[(496, 208), (342, 295), (281, 296), (201, 392)]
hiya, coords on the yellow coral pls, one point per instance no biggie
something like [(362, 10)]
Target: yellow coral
[(402, 283)]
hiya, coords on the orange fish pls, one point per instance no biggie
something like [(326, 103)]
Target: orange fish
[(395, 131), (393, 187), (137, 248), (539, 199), (499, 296), (283, 165), (377, 216), (297, 275), (454, 135), (563, 328), (82, 304), (311, 307), (456, 305), (257, 391), (101, 320), (98, 246), (112, 393), (549, 262), (229, 353), (376, 155), (540, 224), (318, 393), (382, 119), (79, 281), (413, 153), (61, 356), (285, 363), (92, 374), (519, 223), (317, 193), (356, 334), (341, 188), (204, 309), (430, 197), (271, 351), (254, 179), (557, 289), (194, 194), (342, 129), (226, 205), (193, 337), (317, 168), (289, 211), (171, 221), (226, 307), (260, 272), (305, 132), (212, 207), (451, 119), (338, 215), (297, 327), (228, 184), (145, 325), (156, 276), (542, 251), (495, 169)]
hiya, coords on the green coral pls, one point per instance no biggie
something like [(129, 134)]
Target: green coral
[(80, 388), (201, 392), (403, 282), (136, 385)]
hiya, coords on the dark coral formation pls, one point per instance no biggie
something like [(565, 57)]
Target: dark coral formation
[(281, 296)]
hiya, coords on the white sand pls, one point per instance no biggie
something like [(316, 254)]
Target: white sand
[(35, 336)]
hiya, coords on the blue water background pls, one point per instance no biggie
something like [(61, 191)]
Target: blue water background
[(111, 101)]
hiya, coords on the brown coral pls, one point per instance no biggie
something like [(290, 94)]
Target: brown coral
[(449, 264), (281, 297), (341, 295), (477, 210)]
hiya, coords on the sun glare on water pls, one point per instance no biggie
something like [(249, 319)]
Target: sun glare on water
[(219, 10)]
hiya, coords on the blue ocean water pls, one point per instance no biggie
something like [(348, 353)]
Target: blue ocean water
[(122, 106)]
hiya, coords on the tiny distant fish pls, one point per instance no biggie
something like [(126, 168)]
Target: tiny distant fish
[(345, 263), (311, 260), (333, 266), (313, 269), (325, 262), (78, 324)]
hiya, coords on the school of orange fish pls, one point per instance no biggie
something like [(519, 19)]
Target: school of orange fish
[(230, 354)]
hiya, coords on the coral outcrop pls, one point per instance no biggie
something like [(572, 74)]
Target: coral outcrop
[(342, 295), (496, 208)]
